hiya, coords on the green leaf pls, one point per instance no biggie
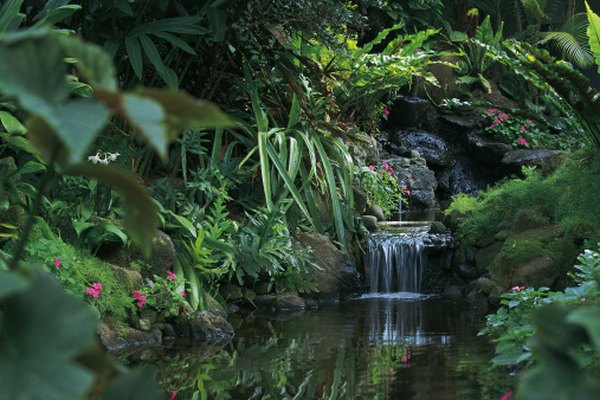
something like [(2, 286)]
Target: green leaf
[(175, 41), (148, 117), (141, 219), (217, 19), (589, 318), (11, 283), (43, 330), (138, 384), (593, 32), (152, 53), (57, 14), (11, 124), (19, 142), (33, 71), (32, 167), (134, 51), (183, 111), (94, 63), (8, 13), (186, 25)]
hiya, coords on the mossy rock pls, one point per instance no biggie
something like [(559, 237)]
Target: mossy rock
[(486, 285), (530, 218), (485, 256), (516, 258), (544, 234)]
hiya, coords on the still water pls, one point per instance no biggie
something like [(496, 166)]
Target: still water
[(417, 348)]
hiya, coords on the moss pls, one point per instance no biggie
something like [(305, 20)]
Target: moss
[(513, 253), (530, 218)]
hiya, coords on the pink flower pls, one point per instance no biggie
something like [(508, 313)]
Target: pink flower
[(530, 121), (404, 359), (386, 112), (489, 111), (517, 288), (503, 116), (141, 298), (522, 142), (408, 193), (371, 168), (492, 126), (522, 129), (173, 395), (385, 165), (506, 396), (97, 286), (92, 292), (171, 275), (57, 262), (183, 294), (497, 121)]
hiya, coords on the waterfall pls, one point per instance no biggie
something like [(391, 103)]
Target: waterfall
[(396, 261)]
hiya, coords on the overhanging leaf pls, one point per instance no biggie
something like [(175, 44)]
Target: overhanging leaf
[(93, 62), (148, 117), (138, 384), (141, 219), (593, 32), (44, 323), (11, 283)]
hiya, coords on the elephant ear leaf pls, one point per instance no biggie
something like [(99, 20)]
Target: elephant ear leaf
[(593, 32)]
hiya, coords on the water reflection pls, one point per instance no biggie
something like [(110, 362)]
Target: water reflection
[(365, 349)]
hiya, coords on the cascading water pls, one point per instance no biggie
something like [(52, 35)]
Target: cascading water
[(396, 261)]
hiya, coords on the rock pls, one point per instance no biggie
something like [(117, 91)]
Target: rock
[(430, 146), (467, 271), (438, 227), (334, 275), (419, 179), (231, 293), (453, 291), (364, 152), (408, 111), (487, 152), (370, 222), (517, 255), (168, 331), (279, 303), (530, 218), (132, 280), (486, 285), (460, 123), (485, 256), (541, 271), (202, 327), (546, 160), (485, 241), (494, 296), (360, 200), (127, 338), (478, 301), (249, 294), (376, 211)]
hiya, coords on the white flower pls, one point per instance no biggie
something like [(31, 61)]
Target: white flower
[(95, 159), (112, 156)]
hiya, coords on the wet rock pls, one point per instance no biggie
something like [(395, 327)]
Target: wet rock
[(486, 285), (419, 179), (280, 303), (453, 291), (408, 111), (360, 200), (494, 296), (546, 160), (438, 227), (127, 338), (376, 211), (485, 151), (334, 274), (478, 301), (168, 331), (370, 222), (467, 271), (460, 123), (430, 146), (202, 327)]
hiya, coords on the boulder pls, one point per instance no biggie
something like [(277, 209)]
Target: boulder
[(202, 327), (126, 338), (376, 211), (538, 272), (485, 151), (546, 160), (333, 274), (132, 280), (486, 285), (370, 222), (467, 271), (408, 111), (360, 200), (453, 291), (430, 146), (485, 256), (419, 179), (279, 302)]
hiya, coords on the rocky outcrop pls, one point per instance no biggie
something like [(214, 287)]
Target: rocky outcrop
[(202, 327), (430, 146), (418, 178), (333, 273), (546, 160), (279, 302)]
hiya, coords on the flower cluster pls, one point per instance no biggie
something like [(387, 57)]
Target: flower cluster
[(382, 187), (165, 295), (94, 290), (108, 157), (511, 129)]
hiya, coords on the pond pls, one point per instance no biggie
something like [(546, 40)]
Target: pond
[(398, 347)]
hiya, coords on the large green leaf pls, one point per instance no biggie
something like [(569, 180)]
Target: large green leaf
[(33, 71), (11, 283), (9, 12), (593, 32), (11, 124), (152, 52), (94, 63), (134, 52), (149, 118), (137, 384), (589, 318), (43, 330), (141, 219)]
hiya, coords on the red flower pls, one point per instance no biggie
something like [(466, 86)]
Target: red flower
[(141, 298), (506, 396), (371, 168), (57, 262), (386, 112), (173, 395), (171, 275), (94, 290)]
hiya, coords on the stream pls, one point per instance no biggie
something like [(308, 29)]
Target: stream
[(394, 346)]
